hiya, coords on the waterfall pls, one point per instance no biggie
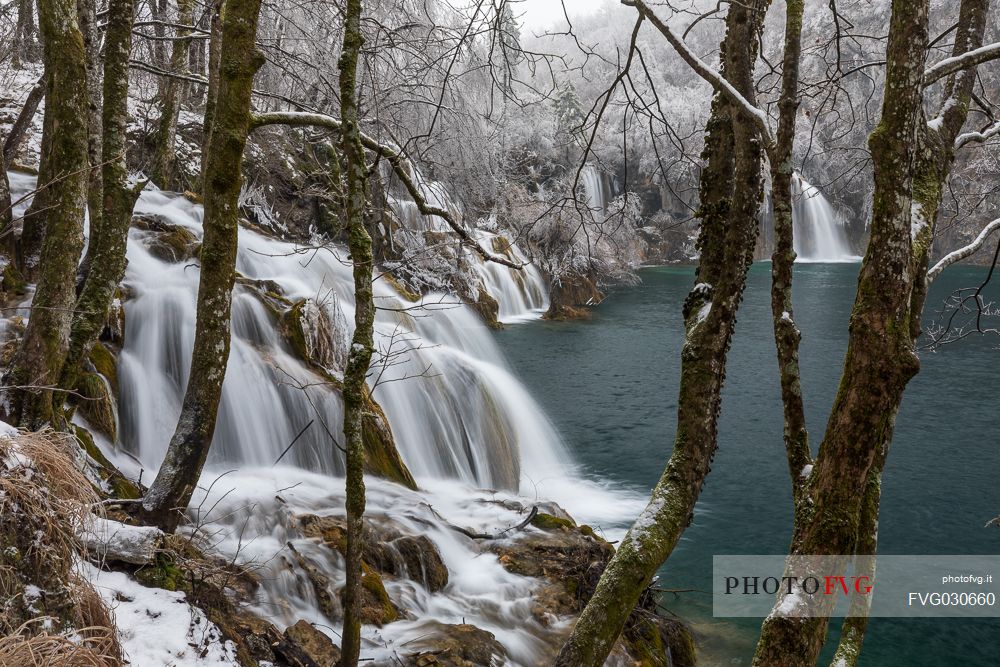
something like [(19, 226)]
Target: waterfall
[(520, 294), (459, 413), (592, 181), (462, 422), (819, 231)]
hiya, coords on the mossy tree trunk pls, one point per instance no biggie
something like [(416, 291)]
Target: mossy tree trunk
[(931, 170), (87, 17), (107, 242), (786, 334), (175, 482), (38, 363), (359, 359), (880, 357), (731, 186), (173, 95)]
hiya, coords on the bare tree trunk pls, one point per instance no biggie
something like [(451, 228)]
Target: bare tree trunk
[(25, 45), (730, 199), (179, 473), (880, 358), (108, 242), (37, 364), (212, 91), (786, 334), (359, 358), (10, 145), (173, 95)]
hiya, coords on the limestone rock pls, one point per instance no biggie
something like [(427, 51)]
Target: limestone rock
[(456, 646)]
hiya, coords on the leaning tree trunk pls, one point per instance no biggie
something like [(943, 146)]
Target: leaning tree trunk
[(173, 95), (171, 490), (880, 357), (730, 200), (38, 362), (359, 359), (108, 242)]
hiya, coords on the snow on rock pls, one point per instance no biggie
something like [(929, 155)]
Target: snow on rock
[(158, 627), (7, 431), (114, 541)]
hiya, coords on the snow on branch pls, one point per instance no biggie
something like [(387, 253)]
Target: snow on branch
[(955, 63), (963, 252), (400, 164), (977, 137), (705, 71)]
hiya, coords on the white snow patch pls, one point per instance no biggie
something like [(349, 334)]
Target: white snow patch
[(7, 431), (158, 627), (806, 470)]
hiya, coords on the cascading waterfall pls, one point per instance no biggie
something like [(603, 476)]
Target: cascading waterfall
[(461, 421), (593, 187), (819, 233), (521, 295)]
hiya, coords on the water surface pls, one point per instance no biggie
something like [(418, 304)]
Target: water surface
[(610, 386)]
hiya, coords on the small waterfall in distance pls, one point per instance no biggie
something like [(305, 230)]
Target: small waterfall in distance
[(819, 232)]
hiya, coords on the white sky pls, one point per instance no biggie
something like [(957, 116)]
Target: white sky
[(539, 14)]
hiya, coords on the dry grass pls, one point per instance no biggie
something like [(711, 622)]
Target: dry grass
[(32, 646), (44, 500)]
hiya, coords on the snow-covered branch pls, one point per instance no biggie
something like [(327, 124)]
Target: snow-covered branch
[(956, 63), (963, 252), (705, 71), (977, 137), (401, 166)]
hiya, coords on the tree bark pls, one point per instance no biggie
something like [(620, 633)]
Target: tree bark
[(87, 17), (38, 362), (212, 90), (108, 242), (362, 345), (25, 47), (173, 95), (880, 357), (730, 200), (171, 490), (786, 334)]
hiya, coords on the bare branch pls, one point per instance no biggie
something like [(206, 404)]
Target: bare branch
[(963, 252)]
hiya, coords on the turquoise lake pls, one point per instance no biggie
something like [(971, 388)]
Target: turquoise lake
[(610, 386)]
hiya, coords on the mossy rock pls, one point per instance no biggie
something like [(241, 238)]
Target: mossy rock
[(488, 309), (400, 288), (316, 645), (548, 522), (97, 404), (167, 241), (121, 487), (459, 645), (422, 561), (106, 364), (501, 245), (12, 283), (650, 639), (377, 607)]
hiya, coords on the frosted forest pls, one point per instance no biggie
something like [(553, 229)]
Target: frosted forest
[(472, 333)]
